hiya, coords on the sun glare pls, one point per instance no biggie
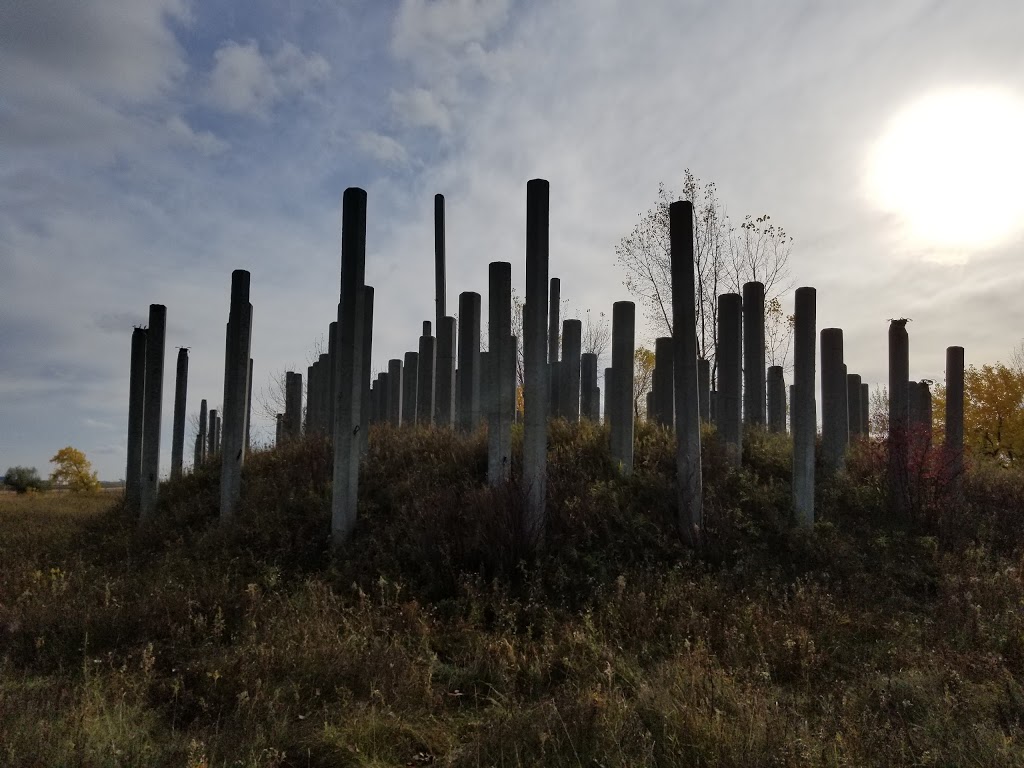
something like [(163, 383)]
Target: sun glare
[(951, 167)]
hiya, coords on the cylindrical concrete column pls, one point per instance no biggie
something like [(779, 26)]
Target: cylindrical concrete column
[(278, 429), (730, 376), (588, 386), (395, 391), (569, 370), (236, 394), (469, 361), (853, 404), (608, 396), (410, 381), (425, 388), (704, 389), (136, 407), (203, 436), (835, 432), (444, 387), (246, 445), (804, 419), (439, 265), (499, 327), (366, 369), (899, 412), (308, 417), (180, 393), (623, 349), (776, 384), (662, 388), (954, 437), (151, 411), (331, 376), (865, 410), (213, 446), (753, 354), (293, 405), (554, 327)]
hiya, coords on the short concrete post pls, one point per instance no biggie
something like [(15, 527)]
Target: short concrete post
[(776, 400), (623, 350), (662, 386), (469, 361), (178, 426), (425, 387), (649, 407), (865, 407), (853, 404), (136, 409), (236, 395), (279, 429), (444, 388), (367, 348), (835, 432), (588, 386), (899, 375), (954, 437), (151, 412), (804, 425), (730, 376), (292, 405), (395, 390), (753, 354), (410, 381), (569, 370), (704, 389)]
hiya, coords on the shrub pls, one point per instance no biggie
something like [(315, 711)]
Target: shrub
[(24, 479)]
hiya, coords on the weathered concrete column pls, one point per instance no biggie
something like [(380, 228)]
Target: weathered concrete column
[(554, 326), (439, 265), (596, 404), (608, 389), (331, 377), (469, 361), (865, 410), (588, 386), (704, 389), (236, 395), (623, 349), (554, 406), (366, 292), (853, 404), (293, 405), (444, 388), (730, 376), (913, 405), (569, 370), (425, 386), (924, 392), (686, 376), (136, 409), (649, 406), (753, 354), (348, 394), (662, 387), (776, 384), (410, 381), (954, 438), (202, 439), (217, 434), (835, 431), (213, 446), (396, 388), (899, 412), (804, 418), (501, 361), (178, 434), (278, 429), (151, 410), (792, 407), (309, 417), (246, 446), (537, 346)]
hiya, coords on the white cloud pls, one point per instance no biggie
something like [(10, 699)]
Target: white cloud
[(382, 148), (421, 108), (244, 81), (423, 26), (203, 141)]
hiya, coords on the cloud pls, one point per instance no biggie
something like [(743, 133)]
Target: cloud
[(421, 108), (203, 141), (244, 81), (382, 148), (430, 26)]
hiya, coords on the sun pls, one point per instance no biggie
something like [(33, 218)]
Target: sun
[(950, 166)]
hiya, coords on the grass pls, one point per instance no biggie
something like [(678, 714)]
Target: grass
[(438, 638)]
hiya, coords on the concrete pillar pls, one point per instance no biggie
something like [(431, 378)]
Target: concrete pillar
[(410, 381), (331, 376), (713, 407), (136, 409), (730, 375), (608, 396), (395, 391), (555, 391), (537, 347), (178, 426), (425, 386), (203, 436), (213, 437), (348, 394), (596, 406), (325, 397), (236, 395), (218, 433), (899, 375), (865, 407), (197, 453), (500, 360), (662, 387), (853, 404), (554, 308), (804, 417), (367, 349), (913, 406), (444, 388), (753, 354), (954, 437), (307, 423), (151, 411), (588, 386), (649, 406), (623, 349), (469, 361), (704, 389), (293, 406), (924, 392), (439, 265), (686, 376), (776, 385), (247, 445), (279, 429), (835, 431), (569, 370)]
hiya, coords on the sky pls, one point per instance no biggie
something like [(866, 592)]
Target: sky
[(150, 147)]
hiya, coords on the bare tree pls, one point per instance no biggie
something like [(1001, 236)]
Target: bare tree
[(597, 334)]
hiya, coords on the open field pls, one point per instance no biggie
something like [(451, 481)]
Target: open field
[(436, 640)]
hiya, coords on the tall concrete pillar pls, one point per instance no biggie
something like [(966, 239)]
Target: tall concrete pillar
[(293, 406), (136, 409), (853, 404), (804, 418), (792, 406), (608, 396), (469, 361), (899, 375), (444, 389), (753, 354), (662, 387), (395, 391), (500, 360), (776, 400), (348, 395), (331, 375), (588, 386), (309, 417), (217, 434), (554, 326), (366, 300), (425, 386), (730, 375), (686, 376), (151, 410), (439, 265), (323, 408), (214, 437), (203, 436), (236, 395), (180, 393), (569, 370), (704, 389), (865, 408), (623, 340), (835, 431), (410, 381), (954, 437), (247, 445)]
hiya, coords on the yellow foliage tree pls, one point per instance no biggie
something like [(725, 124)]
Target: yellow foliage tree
[(993, 411), (73, 471), (643, 378)]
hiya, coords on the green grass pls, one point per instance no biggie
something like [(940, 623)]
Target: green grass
[(438, 638)]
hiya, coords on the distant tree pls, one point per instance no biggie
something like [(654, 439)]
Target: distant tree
[(24, 479), (597, 335), (73, 471), (993, 412), (643, 379)]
